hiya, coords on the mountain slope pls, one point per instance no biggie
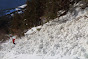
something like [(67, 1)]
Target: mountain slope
[(57, 39)]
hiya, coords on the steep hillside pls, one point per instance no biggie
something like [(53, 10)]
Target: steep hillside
[(63, 38)]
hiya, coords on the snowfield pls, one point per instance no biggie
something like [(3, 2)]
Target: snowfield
[(56, 39)]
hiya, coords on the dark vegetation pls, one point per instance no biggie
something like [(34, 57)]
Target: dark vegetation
[(4, 27), (35, 13)]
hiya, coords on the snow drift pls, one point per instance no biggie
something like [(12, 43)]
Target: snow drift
[(57, 39)]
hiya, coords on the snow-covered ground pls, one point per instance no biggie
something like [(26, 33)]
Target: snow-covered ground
[(54, 40)]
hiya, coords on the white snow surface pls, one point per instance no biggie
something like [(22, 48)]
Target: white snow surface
[(23, 6), (55, 40), (20, 7)]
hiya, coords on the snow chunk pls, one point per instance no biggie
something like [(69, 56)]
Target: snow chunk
[(22, 6), (32, 30)]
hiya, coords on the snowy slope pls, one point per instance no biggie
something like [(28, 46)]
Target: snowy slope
[(56, 39)]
